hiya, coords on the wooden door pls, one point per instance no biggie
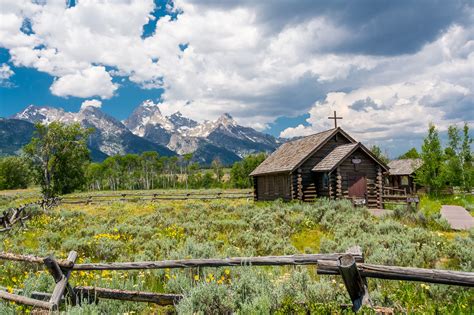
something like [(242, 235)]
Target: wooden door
[(357, 186)]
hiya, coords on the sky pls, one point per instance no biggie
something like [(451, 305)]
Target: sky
[(389, 68)]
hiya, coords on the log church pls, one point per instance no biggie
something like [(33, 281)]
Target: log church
[(328, 164)]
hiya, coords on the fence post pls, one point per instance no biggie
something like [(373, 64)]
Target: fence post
[(354, 283), (61, 278)]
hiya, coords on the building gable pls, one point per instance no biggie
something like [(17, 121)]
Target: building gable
[(292, 155), (343, 152)]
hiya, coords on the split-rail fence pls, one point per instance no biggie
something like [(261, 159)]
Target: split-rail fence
[(349, 265), (133, 197), (18, 215)]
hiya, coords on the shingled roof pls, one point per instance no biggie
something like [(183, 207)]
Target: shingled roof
[(335, 157), (404, 166), (340, 153), (291, 154)]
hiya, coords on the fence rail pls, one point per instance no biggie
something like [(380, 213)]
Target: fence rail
[(350, 265), (154, 197), (20, 214)]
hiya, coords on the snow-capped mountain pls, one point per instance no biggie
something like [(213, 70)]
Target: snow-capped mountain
[(184, 135), (110, 136), (147, 122), (147, 129), (182, 123), (45, 115)]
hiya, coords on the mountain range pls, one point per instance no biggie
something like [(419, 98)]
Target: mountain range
[(147, 129)]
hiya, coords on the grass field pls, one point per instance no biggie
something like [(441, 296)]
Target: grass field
[(221, 228)]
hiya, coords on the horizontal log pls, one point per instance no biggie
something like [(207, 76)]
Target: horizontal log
[(460, 278), (92, 293), (91, 201), (124, 295), (156, 195), (30, 259), (25, 300), (307, 259)]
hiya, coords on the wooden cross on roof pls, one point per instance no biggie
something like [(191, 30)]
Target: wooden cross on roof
[(335, 119)]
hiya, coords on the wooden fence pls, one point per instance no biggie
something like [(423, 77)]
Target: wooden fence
[(100, 198), (349, 265), (20, 214)]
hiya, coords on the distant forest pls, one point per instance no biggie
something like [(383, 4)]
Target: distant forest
[(58, 160)]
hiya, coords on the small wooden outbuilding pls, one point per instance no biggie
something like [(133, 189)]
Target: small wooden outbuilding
[(402, 174), (327, 164)]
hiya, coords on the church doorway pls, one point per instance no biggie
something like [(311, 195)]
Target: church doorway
[(357, 186)]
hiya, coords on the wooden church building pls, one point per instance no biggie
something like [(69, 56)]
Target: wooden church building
[(328, 164)]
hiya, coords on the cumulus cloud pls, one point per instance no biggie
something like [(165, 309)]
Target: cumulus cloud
[(384, 67), (94, 81), (91, 103), (5, 73), (412, 91)]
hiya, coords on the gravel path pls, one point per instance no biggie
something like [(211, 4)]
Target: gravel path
[(458, 217)]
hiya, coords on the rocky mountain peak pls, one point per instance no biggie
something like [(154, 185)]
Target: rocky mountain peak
[(43, 114), (226, 120), (147, 114), (110, 136), (148, 129), (148, 103), (180, 121)]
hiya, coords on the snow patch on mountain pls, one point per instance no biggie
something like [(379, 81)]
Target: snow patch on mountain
[(147, 124), (184, 135), (110, 136), (146, 114)]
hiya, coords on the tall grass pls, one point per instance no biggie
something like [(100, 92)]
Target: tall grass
[(221, 228)]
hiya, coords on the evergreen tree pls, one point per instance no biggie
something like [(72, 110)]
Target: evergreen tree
[(454, 174), (410, 154), (466, 158), (240, 172), (430, 173), (59, 156), (377, 151)]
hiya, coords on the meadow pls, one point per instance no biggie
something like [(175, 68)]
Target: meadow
[(133, 231)]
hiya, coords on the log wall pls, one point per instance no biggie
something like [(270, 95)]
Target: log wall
[(312, 182), (273, 186), (368, 168)]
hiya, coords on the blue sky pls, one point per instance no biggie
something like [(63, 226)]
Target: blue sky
[(388, 67)]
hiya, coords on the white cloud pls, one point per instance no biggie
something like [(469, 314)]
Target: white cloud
[(94, 81), (91, 103), (403, 94), (5, 73), (256, 60)]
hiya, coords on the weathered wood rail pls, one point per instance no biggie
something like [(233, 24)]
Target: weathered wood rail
[(100, 198), (20, 214), (349, 265)]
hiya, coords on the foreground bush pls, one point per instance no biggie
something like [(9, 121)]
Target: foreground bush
[(171, 230)]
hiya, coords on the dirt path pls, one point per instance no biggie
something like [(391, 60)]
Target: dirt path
[(458, 217), (379, 212)]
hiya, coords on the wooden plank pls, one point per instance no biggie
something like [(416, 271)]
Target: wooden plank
[(61, 278), (94, 293), (460, 278), (306, 259), (355, 286), (28, 258), (25, 300), (124, 295)]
